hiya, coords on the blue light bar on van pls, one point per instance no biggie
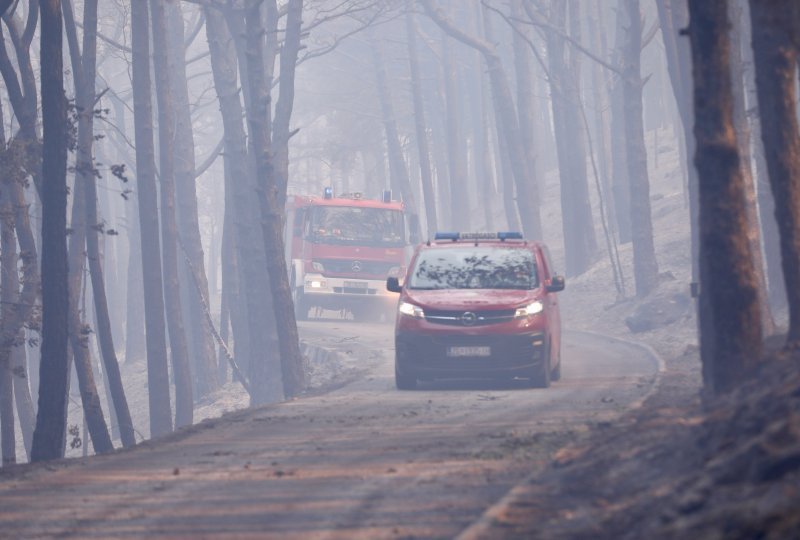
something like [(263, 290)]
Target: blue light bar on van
[(502, 236), (328, 193)]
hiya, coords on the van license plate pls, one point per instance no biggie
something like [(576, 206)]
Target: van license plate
[(469, 351), (355, 284)]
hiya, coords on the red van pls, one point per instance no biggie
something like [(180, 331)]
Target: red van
[(478, 305)]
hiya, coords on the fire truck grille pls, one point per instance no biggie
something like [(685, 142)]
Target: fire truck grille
[(353, 266), (475, 318)]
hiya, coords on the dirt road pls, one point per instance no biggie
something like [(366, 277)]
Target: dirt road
[(363, 461)]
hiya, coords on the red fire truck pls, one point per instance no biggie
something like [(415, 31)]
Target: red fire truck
[(340, 250)]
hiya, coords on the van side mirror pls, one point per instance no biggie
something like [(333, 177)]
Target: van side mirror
[(393, 285), (557, 284)]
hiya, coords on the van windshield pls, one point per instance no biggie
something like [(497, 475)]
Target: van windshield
[(350, 225), (481, 267)]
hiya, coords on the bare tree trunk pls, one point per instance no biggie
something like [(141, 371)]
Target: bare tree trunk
[(620, 184), (50, 430), (601, 83), (456, 154), (262, 346), (775, 50), (420, 126), (673, 16), (743, 138), (398, 173), (645, 267), (22, 393), (179, 352), (271, 190), (580, 243), (79, 331), (224, 67), (726, 263), (8, 294), (156, 340), (525, 107), (507, 122), (84, 71), (766, 205), (198, 334)]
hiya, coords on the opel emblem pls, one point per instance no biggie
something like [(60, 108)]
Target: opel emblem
[(468, 318), (356, 266)]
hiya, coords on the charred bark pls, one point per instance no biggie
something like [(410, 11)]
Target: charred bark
[(743, 138), (726, 263), (775, 51)]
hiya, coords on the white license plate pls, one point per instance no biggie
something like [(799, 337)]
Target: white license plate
[(355, 284), (469, 351)]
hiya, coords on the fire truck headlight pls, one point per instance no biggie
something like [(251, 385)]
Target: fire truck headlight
[(317, 266), (317, 284), (396, 271), (411, 310)]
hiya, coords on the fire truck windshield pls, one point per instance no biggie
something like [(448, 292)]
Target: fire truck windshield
[(350, 225)]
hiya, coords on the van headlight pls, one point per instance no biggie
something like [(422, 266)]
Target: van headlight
[(530, 309), (411, 310)]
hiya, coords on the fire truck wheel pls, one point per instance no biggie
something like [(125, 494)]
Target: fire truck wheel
[(301, 306)]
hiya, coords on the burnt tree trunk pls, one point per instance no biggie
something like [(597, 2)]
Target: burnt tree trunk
[(50, 431), (456, 153), (9, 289), (775, 51), (155, 331), (645, 267), (84, 71), (420, 125), (505, 116), (743, 138), (198, 333), (265, 366), (224, 69), (726, 263), (398, 172), (179, 352), (273, 196), (673, 17), (580, 242)]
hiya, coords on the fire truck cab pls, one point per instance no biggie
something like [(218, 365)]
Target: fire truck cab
[(341, 249)]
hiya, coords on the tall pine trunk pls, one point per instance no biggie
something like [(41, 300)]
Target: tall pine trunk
[(50, 429), (155, 332), (420, 126), (84, 71), (645, 267), (179, 352), (775, 51), (198, 334), (726, 263)]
